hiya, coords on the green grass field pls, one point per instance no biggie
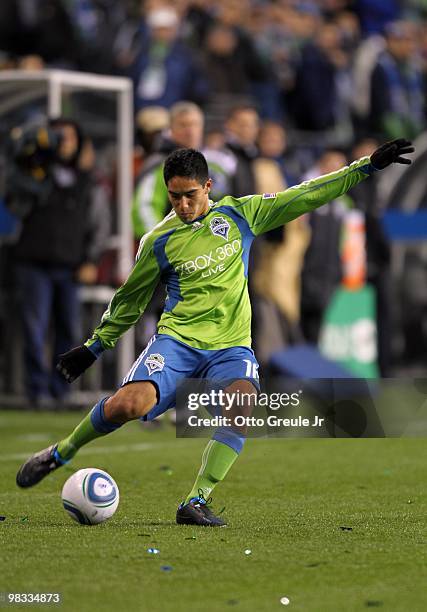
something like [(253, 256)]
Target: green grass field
[(285, 500)]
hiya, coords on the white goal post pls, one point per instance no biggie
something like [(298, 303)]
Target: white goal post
[(18, 85)]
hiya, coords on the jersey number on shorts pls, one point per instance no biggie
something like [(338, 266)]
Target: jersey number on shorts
[(251, 369)]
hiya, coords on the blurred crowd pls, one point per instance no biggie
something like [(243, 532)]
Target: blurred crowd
[(273, 92), (315, 64)]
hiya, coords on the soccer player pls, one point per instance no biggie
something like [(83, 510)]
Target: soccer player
[(200, 251)]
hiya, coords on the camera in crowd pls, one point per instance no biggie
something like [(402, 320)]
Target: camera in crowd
[(39, 157), (34, 149)]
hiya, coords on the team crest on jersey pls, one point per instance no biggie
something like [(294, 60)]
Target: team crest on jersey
[(154, 363), (220, 227)]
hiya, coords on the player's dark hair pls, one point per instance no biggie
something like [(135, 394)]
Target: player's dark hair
[(188, 163)]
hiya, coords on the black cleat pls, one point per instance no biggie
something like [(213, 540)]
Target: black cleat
[(197, 512), (38, 466)]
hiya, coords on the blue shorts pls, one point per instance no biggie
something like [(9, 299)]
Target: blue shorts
[(166, 362)]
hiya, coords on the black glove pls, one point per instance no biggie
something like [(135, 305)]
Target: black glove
[(390, 152), (75, 362)]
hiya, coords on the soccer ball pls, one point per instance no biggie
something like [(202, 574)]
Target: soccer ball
[(90, 496)]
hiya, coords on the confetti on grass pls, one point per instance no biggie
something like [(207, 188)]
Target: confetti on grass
[(2, 518), (153, 551), (166, 568), (346, 528)]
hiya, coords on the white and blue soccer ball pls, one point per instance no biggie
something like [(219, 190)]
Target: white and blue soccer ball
[(90, 496)]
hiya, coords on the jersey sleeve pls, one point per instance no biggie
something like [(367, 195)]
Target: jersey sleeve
[(129, 301), (271, 210)]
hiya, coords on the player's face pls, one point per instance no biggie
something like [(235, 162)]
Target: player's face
[(188, 197)]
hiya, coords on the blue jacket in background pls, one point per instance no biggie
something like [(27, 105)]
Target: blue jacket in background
[(184, 79)]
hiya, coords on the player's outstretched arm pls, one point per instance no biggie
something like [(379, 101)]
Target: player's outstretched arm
[(271, 210), (124, 310)]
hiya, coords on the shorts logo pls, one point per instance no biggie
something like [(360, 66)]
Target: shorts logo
[(154, 363), (220, 227)]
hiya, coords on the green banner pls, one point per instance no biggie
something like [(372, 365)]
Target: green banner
[(349, 333)]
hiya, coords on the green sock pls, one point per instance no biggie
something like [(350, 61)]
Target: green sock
[(83, 433), (217, 459)]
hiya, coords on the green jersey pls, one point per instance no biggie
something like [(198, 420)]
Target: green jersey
[(204, 264)]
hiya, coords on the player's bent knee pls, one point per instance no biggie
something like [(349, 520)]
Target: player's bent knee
[(131, 402)]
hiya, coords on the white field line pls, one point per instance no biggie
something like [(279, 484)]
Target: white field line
[(99, 450)]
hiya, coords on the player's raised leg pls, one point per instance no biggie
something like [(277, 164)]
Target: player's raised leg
[(130, 402)]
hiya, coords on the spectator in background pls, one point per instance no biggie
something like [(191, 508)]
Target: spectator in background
[(242, 126), (49, 185), (43, 28), (215, 139), (97, 24), (317, 102), (364, 62), (165, 70), (349, 28), (321, 272), (150, 123), (235, 63), (272, 144), (199, 16), (374, 15), (228, 68), (305, 20), (274, 41), (258, 71), (397, 96)]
